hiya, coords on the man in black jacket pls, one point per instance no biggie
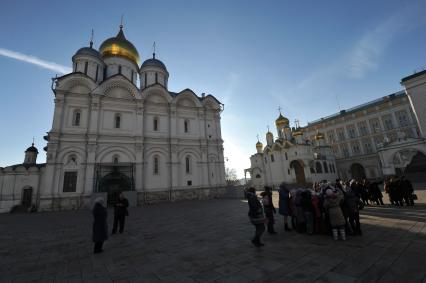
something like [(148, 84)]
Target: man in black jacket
[(120, 213)]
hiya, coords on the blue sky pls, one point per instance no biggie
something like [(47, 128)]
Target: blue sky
[(254, 56)]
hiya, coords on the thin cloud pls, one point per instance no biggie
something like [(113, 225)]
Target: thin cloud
[(35, 61), (367, 52)]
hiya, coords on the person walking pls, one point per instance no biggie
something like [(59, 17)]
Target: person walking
[(100, 226), (284, 207), (256, 215), (269, 209), (120, 213), (376, 194)]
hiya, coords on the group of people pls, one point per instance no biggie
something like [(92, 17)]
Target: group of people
[(324, 209), (100, 217), (400, 191)]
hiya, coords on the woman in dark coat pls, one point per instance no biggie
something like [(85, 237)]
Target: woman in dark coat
[(256, 215), (284, 204), (269, 209), (100, 226)]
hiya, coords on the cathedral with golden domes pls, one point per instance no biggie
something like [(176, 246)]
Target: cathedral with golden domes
[(291, 157), (118, 128)]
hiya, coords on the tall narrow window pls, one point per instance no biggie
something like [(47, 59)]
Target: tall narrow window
[(86, 65), (117, 121), (76, 118), (156, 170), (119, 69), (186, 126), (187, 165), (318, 167), (97, 71), (70, 182), (105, 73), (156, 78), (155, 124), (325, 167), (272, 158), (146, 80), (133, 73), (75, 67)]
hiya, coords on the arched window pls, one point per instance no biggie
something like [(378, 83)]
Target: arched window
[(117, 121), (318, 167), (258, 176), (272, 158), (119, 69), (188, 164), (286, 156), (86, 66), (155, 124), (311, 169), (76, 118), (325, 167), (156, 165), (186, 125), (156, 78)]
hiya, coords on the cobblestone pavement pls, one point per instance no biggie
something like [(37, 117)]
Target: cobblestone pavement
[(209, 241)]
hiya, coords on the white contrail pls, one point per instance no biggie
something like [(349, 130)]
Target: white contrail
[(36, 61)]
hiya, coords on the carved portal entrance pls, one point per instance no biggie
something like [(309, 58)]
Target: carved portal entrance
[(114, 179), (299, 171)]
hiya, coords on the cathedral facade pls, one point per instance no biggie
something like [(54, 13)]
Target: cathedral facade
[(111, 134), (291, 158)]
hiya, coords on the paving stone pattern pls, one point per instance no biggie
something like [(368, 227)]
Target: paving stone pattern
[(209, 241)]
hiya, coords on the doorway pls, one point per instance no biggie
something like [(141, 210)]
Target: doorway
[(27, 197)]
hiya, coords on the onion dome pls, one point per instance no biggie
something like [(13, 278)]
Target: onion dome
[(282, 121), (319, 136), (88, 51), (32, 148), (269, 134), (297, 132), (153, 62), (119, 46), (259, 145)]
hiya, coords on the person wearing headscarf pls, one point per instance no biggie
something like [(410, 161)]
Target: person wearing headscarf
[(256, 215), (332, 202), (100, 226)]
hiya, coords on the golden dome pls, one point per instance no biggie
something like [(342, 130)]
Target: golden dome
[(319, 136), (119, 46), (297, 132), (269, 134), (259, 145), (282, 121)]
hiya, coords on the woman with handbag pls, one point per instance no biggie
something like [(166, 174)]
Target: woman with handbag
[(256, 215)]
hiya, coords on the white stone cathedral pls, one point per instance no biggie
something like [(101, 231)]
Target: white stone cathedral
[(291, 158), (110, 135)]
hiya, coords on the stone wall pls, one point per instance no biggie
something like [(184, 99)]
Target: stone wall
[(179, 195)]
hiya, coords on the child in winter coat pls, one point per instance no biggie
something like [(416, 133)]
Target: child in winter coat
[(333, 199)]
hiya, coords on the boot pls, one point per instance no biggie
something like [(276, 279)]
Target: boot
[(342, 233), (335, 235)]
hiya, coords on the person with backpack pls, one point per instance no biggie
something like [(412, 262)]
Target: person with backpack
[(256, 215), (269, 209)]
